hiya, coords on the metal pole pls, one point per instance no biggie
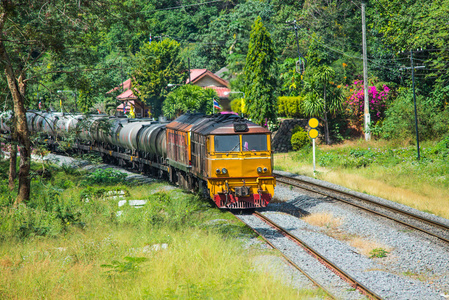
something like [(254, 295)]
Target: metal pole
[(313, 143), (297, 41), (188, 61), (414, 102), (365, 77), (76, 90)]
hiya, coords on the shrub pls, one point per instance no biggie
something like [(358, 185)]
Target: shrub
[(107, 176), (299, 138), (399, 124), (238, 106), (26, 221), (442, 148), (290, 107), (163, 209)]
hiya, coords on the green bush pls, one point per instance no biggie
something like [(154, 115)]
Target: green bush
[(442, 148), (107, 176), (26, 222), (290, 107), (399, 123), (299, 138), (171, 210), (238, 106)]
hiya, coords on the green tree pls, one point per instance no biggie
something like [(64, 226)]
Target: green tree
[(191, 98), (155, 66), (30, 30), (318, 101), (260, 75)]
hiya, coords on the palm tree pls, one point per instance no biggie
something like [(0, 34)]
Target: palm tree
[(314, 104)]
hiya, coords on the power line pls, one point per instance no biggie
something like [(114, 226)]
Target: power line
[(181, 6)]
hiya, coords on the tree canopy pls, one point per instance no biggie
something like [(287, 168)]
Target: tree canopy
[(260, 75), (156, 65), (189, 98)]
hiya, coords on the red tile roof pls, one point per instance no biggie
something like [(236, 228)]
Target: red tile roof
[(220, 90), (126, 95), (197, 74), (126, 85)]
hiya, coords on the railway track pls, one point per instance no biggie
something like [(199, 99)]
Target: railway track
[(339, 274), (410, 219)]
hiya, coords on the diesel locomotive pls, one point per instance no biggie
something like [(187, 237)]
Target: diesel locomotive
[(226, 157)]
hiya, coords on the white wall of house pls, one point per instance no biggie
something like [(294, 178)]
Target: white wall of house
[(208, 81)]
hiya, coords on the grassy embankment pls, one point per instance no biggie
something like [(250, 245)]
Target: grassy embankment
[(69, 243), (382, 169)]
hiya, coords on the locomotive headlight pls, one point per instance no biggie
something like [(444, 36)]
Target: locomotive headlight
[(217, 171), (259, 170), (224, 171), (265, 170)]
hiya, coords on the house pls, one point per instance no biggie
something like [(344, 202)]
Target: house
[(207, 79), (128, 99), (199, 77)]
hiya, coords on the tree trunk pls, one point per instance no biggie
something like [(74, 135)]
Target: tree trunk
[(20, 125), (12, 164), (326, 123)]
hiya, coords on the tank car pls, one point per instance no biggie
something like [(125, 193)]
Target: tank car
[(226, 157)]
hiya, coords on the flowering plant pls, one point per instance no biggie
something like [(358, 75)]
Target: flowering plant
[(355, 102)]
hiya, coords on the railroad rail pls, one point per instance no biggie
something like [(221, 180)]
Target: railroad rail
[(410, 219), (328, 264)]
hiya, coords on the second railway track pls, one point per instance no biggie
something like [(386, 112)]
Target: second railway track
[(403, 216)]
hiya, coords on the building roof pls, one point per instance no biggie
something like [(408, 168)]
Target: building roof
[(125, 85), (220, 90), (198, 74), (128, 94)]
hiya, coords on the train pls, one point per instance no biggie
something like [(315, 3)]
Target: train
[(224, 156)]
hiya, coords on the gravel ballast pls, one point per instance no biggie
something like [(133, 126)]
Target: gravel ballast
[(416, 267)]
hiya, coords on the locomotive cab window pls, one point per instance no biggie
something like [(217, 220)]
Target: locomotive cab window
[(227, 143), (254, 142)]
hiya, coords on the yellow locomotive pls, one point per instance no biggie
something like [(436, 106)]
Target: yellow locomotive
[(226, 156)]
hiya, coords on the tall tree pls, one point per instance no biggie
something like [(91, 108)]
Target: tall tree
[(29, 30), (260, 75), (156, 65)]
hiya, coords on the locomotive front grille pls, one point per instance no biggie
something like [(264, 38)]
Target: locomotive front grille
[(243, 204), (242, 191)]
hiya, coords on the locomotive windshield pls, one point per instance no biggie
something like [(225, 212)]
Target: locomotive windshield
[(254, 142), (227, 143), (250, 142)]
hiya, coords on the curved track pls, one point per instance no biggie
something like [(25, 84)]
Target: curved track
[(402, 216)]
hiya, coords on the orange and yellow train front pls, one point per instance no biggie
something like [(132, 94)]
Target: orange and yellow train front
[(239, 165)]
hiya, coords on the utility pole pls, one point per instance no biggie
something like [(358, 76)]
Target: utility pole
[(365, 76), (414, 96), (76, 90), (414, 102), (188, 62), (295, 27)]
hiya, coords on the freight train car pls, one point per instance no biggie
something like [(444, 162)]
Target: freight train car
[(226, 157)]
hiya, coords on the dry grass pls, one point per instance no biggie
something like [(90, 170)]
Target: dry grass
[(376, 181), (429, 198), (366, 247), (323, 220)]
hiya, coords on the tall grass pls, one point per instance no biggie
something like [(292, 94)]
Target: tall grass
[(382, 169), (70, 243)]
